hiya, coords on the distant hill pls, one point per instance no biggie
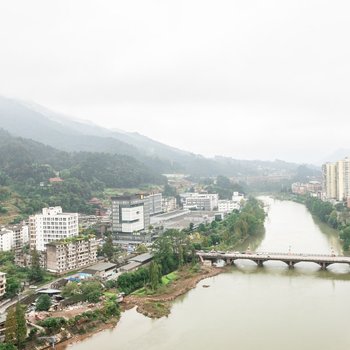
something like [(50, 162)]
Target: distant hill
[(21, 159), (26, 167), (40, 124), (337, 155)]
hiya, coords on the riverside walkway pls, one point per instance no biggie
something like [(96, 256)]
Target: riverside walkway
[(289, 258)]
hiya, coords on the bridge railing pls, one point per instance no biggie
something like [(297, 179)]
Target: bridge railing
[(272, 254)]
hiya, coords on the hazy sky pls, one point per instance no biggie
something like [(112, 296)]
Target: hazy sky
[(246, 78)]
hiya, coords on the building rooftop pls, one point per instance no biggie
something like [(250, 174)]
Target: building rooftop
[(102, 266), (49, 291), (131, 266), (142, 258), (73, 239), (125, 198)]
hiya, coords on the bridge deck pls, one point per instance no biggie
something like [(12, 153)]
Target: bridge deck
[(285, 257)]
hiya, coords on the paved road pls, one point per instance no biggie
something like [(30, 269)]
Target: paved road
[(4, 306)]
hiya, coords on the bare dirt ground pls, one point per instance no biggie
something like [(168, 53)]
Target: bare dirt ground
[(74, 311)]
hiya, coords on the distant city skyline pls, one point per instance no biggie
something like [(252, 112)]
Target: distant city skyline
[(249, 80)]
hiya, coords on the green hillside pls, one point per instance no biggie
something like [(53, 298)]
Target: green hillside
[(26, 166)]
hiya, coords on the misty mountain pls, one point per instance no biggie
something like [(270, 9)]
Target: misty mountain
[(40, 124), (336, 155), (23, 160)]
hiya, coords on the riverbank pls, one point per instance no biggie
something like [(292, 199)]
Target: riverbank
[(77, 338), (158, 305), (236, 302), (153, 306)]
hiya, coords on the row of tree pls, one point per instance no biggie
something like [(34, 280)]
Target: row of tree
[(15, 328), (235, 228), (336, 216)]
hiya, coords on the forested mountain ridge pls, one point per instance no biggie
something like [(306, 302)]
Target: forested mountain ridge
[(26, 167), (42, 125)]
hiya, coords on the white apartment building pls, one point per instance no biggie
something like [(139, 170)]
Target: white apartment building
[(169, 204), (52, 225), (336, 180), (2, 284), (227, 206), (6, 240), (330, 180), (75, 253), (200, 201), (237, 197)]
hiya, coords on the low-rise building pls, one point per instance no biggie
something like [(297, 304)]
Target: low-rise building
[(71, 254), (169, 204), (13, 237), (227, 206), (2, 284), (237, 197), (6, 239), (144, 258), (200, 201), (309, 187), (104, 270), (131, 266)]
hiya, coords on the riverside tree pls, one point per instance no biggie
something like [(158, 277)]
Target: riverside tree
[(154, 275), (108, 248), (43, 303), (172, 250), (16, 328), (36, 273)]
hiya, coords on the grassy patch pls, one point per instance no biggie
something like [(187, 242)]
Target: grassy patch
[(142, 292), (109, 294), (169, 278)]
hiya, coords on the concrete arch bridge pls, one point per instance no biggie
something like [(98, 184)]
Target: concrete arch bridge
[(288, 258)]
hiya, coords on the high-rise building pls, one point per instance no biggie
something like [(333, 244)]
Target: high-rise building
[(130, 216), (155, 203), (329, 171), (336, 180), (2, 284), (52, 225)]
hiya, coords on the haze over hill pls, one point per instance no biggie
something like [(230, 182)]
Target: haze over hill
[(336, 155), (42, 125)]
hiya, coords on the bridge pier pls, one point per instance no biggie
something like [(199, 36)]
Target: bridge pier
[(260, 263), (324, 266), (291, 264)]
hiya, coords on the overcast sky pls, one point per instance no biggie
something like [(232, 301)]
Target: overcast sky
[(245, 78)]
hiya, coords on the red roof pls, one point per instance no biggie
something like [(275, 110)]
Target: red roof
[(55, 179)]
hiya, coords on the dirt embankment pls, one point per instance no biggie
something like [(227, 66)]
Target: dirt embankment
[(80, 337), (156, 306)]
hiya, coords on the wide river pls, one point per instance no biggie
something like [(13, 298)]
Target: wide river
[(270, 308)]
